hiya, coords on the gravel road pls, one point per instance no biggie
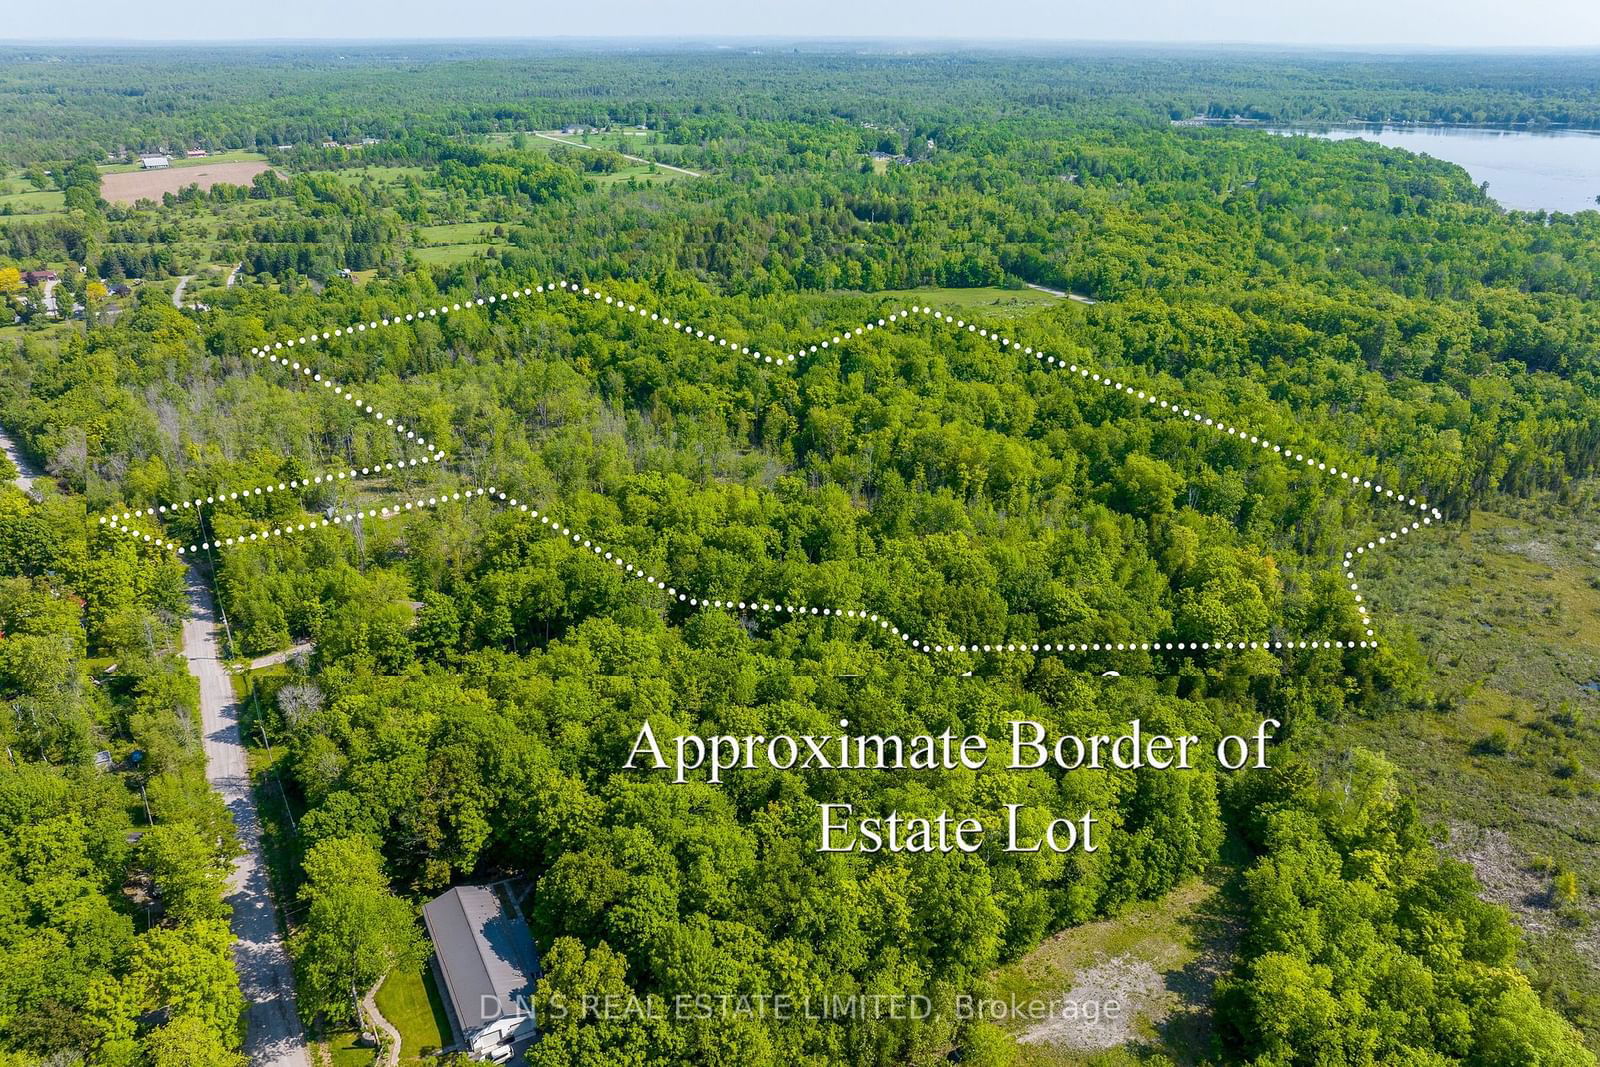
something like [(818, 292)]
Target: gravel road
[(274, 1038)]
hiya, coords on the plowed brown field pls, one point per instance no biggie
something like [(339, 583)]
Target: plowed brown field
[(150, 184)]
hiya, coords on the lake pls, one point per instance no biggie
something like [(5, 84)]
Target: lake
[(1549, 170)]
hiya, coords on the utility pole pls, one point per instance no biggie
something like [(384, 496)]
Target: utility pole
[(261, 727)]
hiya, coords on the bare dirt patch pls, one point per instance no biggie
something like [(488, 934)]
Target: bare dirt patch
[(1506, 877), (127, 187), (1503, 873), (1141, 981), (1104, 1006)]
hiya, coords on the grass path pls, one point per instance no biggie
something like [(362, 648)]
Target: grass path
[(624, 155)]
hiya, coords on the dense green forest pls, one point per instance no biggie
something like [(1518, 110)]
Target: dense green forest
[(112, 877), (61, 101), (474, 683)]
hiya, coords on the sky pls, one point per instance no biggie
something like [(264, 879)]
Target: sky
[(1419, 23)]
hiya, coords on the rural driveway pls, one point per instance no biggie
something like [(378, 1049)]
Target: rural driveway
[(272, 659), (274, 1037), (26, 471), (177, 294), (1062, 292)]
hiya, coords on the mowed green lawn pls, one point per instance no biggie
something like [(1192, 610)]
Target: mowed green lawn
[(24, 201), (410, 1000), (344, 1052)]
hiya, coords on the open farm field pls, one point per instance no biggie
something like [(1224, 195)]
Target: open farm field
[(127, 187)]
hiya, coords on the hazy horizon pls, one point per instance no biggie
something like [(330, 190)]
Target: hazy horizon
[(1422, 25), (690, 41)]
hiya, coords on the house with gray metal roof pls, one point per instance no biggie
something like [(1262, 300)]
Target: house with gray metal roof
[(488, 965)]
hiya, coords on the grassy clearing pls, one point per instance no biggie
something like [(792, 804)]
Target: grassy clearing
[(55, 329), (381, 175), (635, 143), (34, 217), (640, 173), (1127, 990), (26, 200), (988, 300), (453, 242), (444, 255), (630, 142), (1508, 610), (452, 233), (235, 156), (410, 1000)]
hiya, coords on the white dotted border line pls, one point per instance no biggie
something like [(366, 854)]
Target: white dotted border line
[(119, 523), (799, 610), (1005, 342), (1429, 514), (270, 353), (995, 336), (224, 495), (746, 606), (517, 294), (1002, 340), (1150, 398), (710, 338), (1379, 490)]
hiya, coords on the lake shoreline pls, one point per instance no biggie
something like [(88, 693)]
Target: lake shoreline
[(1549, 170), (1276, 125)]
